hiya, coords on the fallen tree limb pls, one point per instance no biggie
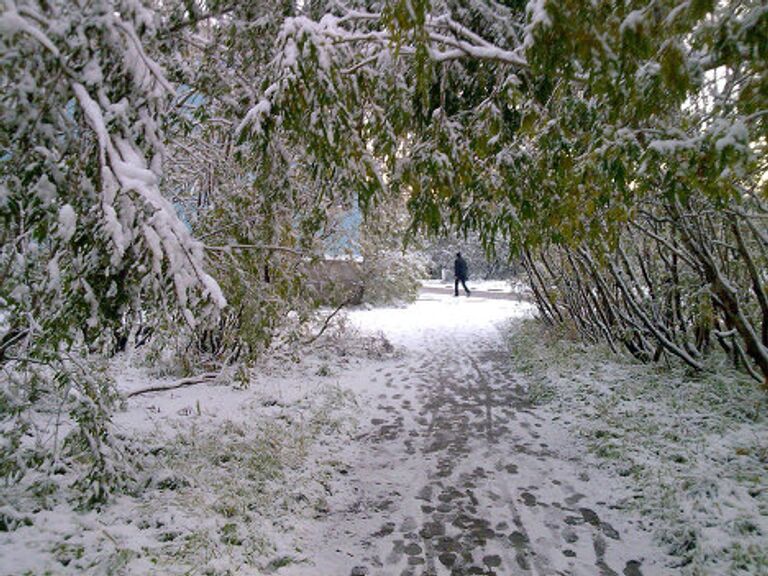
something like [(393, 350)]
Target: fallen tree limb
[(327, 322), (201, 379)]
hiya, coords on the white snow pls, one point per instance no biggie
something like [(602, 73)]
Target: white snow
[(67, 222), (406, 435), (633, 21), (54, 274), (254, 115), (670, 146), (734, 135), (536, 11), (691, 448), (447, 450), (45, 190), (12, 23), (512, 286), (92, 74)]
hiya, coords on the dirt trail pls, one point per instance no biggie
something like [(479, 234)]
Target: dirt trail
[(456, 473)]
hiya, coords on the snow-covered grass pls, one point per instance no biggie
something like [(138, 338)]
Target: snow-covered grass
[(247, 474), (694, 447), (224, 473)]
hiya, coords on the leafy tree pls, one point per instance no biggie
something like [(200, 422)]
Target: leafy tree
[(267, 216), (88, 242), (620, 147), (553, 125)]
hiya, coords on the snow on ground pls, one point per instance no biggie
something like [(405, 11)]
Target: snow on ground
[(227, 470), (694, 447), (490, 286), (419, 440), (454, 472)]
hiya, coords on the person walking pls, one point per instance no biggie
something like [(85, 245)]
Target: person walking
[(460, 273)]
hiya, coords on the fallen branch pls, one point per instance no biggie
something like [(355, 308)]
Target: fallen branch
[(327, 322), (201, 379)]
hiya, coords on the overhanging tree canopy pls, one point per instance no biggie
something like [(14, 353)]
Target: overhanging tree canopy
[(559, 126)]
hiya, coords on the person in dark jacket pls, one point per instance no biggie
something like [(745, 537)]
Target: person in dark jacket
[(460, 272)]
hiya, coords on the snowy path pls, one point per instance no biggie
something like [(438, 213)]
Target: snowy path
[(455, 473)]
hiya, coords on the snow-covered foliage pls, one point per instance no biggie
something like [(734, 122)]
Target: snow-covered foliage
[(83, 215), (550, 125), (90, 247), (390, 272), (268, 216)]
